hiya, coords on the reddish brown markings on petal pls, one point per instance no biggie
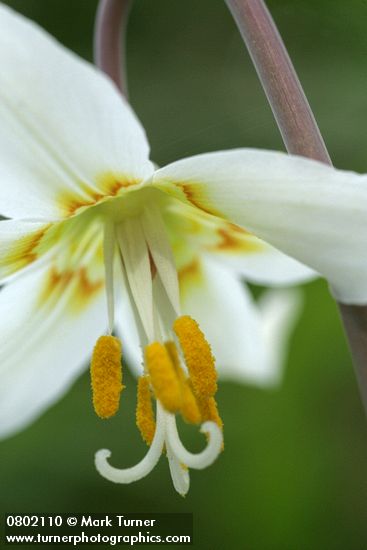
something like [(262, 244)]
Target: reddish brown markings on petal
[(189, 271), (84, 289), (227, 240), (235, 239), (190, 277), (25, 250), (71, 204), (193, 192), (108, 186), (237, 229), (55, 280)]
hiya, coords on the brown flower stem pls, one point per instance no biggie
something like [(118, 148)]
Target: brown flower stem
[(299, 130), (290, 107), (109, 54), (355, 324)]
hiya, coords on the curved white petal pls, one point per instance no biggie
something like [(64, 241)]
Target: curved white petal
[(270, 267), (142, 468), (48, 330), (240, 332), (66, 134), (313, 212), (279, 312), (241, 251)]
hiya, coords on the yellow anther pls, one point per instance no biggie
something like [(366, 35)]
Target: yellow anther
[(163, 377), (189, 409), (144, 410), (198, 356), (106, 376), (173, 353), (209, 411)]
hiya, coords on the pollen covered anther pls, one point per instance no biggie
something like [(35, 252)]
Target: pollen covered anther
[(106, 376), (198, 356), (163, 377), (173, 353), (189, 409), (209, 411), (144, 410)]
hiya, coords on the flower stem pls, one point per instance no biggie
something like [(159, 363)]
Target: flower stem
[(299, 131), (355, 323), (108, 44)]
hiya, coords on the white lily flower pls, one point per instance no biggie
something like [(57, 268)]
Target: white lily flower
[(88, 212)]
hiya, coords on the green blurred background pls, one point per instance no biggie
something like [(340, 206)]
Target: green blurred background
[(294, 471)]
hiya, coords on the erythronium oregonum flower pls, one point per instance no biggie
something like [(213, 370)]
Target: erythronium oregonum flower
[(86, 214), (87, 211)]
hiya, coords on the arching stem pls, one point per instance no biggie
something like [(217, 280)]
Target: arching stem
[(109, 55), (299, 130)]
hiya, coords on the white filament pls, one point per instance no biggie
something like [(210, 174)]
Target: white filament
[(108, 254), (135, 255), (200, 460), (140, 470), (160, 249)]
